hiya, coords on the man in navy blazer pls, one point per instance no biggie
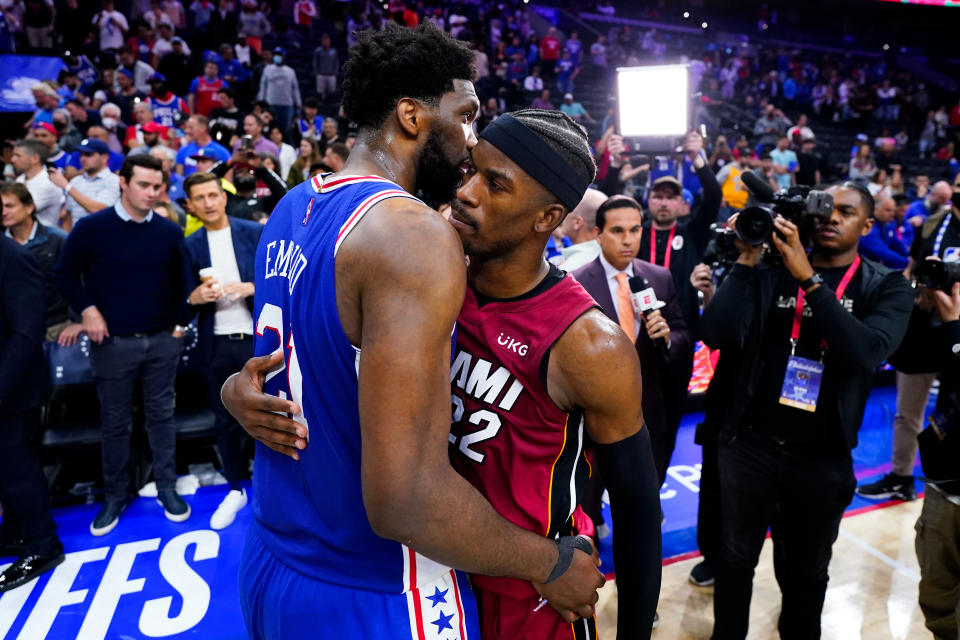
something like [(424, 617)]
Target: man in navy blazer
[(220, 264), (28, 529), (619, 228)]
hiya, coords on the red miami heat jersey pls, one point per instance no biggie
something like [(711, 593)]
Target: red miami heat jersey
[(508, 438)]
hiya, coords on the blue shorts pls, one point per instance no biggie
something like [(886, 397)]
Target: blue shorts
[(280, 603)]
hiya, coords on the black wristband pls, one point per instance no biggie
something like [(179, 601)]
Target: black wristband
[(565, 549)]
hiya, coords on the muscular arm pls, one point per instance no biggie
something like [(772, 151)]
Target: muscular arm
[(594, 366), (412, 494)]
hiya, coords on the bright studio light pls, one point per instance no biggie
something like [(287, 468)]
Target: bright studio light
[(704, 25), (686, 14), (653, 101)]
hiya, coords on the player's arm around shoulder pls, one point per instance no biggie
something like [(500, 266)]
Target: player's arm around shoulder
[(595, 366)]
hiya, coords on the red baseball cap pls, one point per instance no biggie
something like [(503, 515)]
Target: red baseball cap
[(151, 127), (46, 125)]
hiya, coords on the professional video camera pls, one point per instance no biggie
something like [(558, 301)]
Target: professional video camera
[(721, 250), (937, 274), (800, 205)]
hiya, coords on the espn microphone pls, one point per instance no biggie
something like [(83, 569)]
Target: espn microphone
[(644, 301), (758, 185)]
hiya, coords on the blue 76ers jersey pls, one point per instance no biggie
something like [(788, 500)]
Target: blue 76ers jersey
[(310, 513)]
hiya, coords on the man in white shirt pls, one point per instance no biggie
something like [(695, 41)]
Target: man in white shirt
[(221, 261), (533, 83), (580, 228), (28, 158), (95, 189), (113, 27)]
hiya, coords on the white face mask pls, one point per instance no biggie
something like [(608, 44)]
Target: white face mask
[(110, 123)]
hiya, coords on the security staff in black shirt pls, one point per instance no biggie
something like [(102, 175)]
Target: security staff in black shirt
[(803, 335)]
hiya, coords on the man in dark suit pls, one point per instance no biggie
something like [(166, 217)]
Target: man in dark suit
[(220, 260), (28, 530), (619, 228), (19, 216)]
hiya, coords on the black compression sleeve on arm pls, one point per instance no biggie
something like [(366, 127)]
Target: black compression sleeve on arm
[(630, 477)]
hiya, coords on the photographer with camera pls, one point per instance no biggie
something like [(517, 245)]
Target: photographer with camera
[(930, 347), (801, 337), (938, 237), (247, 174)]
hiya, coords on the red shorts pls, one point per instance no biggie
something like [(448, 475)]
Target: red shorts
[(505, 618)]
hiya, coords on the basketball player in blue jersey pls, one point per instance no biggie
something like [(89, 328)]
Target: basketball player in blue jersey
[(358, 288)]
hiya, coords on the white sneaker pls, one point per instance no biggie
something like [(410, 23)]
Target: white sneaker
[(226, 513)]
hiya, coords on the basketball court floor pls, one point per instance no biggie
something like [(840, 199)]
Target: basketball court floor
[(157, 579)]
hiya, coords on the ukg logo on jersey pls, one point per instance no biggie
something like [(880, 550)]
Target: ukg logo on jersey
[(511, 344)]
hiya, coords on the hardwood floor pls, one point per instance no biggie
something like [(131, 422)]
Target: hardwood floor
[(872, 593)]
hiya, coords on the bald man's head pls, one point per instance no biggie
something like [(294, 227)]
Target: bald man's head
[(885, 211), (579, 224), (941, 192)]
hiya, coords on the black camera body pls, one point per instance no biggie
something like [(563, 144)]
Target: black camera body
[(721, 250), (937, 274), (800, 205)]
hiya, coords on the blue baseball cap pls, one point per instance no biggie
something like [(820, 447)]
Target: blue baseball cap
[(92, 145), (157, 77)]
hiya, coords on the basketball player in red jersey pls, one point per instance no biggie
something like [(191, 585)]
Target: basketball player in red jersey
[(539, 375)]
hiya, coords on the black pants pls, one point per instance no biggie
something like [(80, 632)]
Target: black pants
[(23, 487), (801, 498), (229, 356), (117, 365), (675, 384), (709, 514)]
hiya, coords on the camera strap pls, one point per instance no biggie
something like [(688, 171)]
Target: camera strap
[(942, 231), (653, 246), (798, 314)]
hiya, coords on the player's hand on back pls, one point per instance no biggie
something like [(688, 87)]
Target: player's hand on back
[(263, 416), (574, 593)]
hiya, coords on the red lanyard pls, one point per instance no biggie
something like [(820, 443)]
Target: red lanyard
[(653, 246), (798, 314)]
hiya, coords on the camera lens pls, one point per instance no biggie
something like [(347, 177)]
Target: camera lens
[(754, 225), (936, 274)]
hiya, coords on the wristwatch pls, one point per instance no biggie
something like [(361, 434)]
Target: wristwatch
[(815, 279)]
